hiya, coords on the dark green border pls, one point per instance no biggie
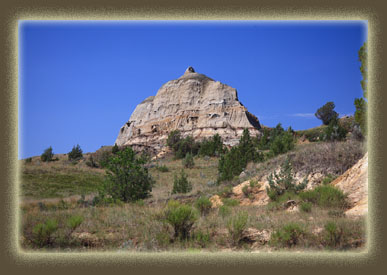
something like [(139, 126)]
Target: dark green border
[(14, 260)]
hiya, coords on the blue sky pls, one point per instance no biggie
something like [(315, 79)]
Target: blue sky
[(79, 82)]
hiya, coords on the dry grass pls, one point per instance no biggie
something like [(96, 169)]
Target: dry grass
[(143, 227), (332, 158)]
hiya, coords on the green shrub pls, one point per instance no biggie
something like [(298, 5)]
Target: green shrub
[(236, 225), (226, 192), (224, 211), (306, 207), (75, 153), (212, 147), (254, 183), (283, 182), (47, 155), (102, 157), (182, 146), (328, 179), (333, 234), (188, 161), (202, 238), (42, 233), (203, 204), (181, 217), (230, 202), (287, 236), (181, 183), (282, 143), (334, 131), (74, 222), (127, 179), (325, 196), (28, 160), (162, 168)]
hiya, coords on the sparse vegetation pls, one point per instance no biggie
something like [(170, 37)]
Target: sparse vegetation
[(283, 182), (103, 223)]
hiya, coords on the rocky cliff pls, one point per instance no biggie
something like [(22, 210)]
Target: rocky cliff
[(194, 104)]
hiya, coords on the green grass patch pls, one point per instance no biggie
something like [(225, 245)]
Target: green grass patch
[(48, 185)]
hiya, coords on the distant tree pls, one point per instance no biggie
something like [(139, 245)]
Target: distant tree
[(47, 155), (75, 153), (326, 113), (361, 103)]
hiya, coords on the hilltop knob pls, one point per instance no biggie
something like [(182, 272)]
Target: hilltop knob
[(190, 70)]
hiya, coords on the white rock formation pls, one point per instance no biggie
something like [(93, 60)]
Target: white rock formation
[(194, 104)]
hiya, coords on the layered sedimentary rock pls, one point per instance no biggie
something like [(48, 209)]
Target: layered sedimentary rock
[(354, 183), (195, 105)]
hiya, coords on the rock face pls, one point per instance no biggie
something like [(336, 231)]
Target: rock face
[(194, 104), (354, 183)]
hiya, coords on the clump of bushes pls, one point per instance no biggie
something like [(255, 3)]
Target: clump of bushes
[(76, 153), (162, 168), (287, 236), (188, 161), (181, 217), (334, 131), (306, 207), (283, 182), (47, 155), (325, 196), (203, 204), (212, 147), (236, 225), (181, 183), (230, 202), (182, 146), (43, 233), (233, 162), (328, 179), (127, 179)]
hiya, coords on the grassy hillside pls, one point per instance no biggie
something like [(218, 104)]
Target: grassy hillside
[(55, 216)]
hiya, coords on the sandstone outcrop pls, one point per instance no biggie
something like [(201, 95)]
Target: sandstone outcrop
[(354, 183), (194, 104)]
